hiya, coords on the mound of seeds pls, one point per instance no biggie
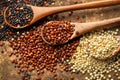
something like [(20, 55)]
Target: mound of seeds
[(92, 45), (101, 46), (58, 32), (32, 53), (19, 15)]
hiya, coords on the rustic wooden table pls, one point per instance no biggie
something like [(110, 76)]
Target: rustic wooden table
[(7, 70)]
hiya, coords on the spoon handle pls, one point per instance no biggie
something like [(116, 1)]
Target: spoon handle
[(41, 12), (89, 5), (81, 28)]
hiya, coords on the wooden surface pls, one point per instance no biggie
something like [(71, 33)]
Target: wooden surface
[(7, 70)]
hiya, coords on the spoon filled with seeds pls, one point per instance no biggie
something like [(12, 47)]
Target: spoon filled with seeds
[(61, 32), (20, 16), (106, 46)]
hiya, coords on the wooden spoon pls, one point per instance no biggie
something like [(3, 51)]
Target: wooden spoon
[(41, 12), (82, 28)]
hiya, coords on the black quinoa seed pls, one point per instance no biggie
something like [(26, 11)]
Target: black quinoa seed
[(1, 19), (19, 15), (37, 2)]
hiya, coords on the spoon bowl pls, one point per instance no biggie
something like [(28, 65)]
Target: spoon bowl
[(111, 55), (41, 12)]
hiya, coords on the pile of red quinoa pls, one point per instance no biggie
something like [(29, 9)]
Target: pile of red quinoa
[(32, 53)]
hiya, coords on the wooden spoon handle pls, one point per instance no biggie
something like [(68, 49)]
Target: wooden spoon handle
[(89, 5), (81, 28), (41, 12), (118, 49)]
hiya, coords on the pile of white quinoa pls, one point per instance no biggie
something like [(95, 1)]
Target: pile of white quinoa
[(98, 43)]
